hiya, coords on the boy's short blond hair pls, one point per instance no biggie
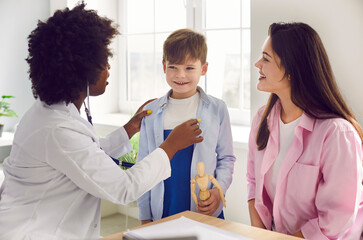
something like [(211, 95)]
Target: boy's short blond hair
[(185, 44)]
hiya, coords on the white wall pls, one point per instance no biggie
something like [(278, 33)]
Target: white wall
[(340, 26), (236, 197), (17, 19), (108, 102)]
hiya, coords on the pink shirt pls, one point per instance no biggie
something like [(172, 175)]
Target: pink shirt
[(319, 186)]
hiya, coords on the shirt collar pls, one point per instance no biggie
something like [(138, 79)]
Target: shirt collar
[(62, 106), (307, 122), (203, 97), (69, 109)]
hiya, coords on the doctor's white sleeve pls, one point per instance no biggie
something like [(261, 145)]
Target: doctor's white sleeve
[(91, 169), (117, 143)]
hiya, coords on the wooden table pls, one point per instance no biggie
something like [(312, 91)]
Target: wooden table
[(242, 229)]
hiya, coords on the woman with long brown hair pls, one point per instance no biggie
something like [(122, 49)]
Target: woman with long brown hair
[(305, 149)]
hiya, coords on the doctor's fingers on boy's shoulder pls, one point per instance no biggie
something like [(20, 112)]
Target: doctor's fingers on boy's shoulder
[(135, 121), (134, 124), (143, 105)]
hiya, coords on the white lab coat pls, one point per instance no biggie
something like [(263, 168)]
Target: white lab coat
[(57, 173)]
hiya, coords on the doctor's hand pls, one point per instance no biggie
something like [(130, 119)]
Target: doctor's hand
[(133, 126), (181, 137), (209, 206)]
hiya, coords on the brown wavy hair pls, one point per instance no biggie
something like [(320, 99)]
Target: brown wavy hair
[(313, 86), (184, 43)]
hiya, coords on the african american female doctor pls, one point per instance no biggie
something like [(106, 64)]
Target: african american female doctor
[(58, 170), (304, 169)]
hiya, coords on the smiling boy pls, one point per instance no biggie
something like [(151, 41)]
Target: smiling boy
[(184, 62)]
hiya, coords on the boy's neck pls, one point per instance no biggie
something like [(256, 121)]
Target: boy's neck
[(176, 95)]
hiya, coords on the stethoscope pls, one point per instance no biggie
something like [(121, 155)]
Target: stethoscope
[(89, 118)]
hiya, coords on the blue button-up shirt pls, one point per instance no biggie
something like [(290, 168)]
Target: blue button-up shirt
[(216, 150)]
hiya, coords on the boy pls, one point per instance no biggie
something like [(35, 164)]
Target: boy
[(184, 61)]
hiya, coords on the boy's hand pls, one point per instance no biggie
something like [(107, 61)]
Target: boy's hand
[(133, 126), (209, 206), (181, 137)]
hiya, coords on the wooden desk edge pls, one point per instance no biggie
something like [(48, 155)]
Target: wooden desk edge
[(239, 228)]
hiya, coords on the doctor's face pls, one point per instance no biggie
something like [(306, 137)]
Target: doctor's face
[(100, 86)]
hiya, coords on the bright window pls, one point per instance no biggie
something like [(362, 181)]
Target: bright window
[(145, 24)]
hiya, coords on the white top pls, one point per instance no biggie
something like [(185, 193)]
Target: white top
[(178, 111), (57, 173), (287, 135)]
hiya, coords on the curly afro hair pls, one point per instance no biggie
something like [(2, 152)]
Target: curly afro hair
[(68, 51)]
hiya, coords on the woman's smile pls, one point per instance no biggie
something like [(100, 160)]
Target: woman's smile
[(262, 76)]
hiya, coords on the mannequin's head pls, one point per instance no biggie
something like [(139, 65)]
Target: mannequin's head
[(200, 168)]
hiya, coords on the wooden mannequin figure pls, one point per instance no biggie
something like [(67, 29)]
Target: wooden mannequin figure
[(202, 180)]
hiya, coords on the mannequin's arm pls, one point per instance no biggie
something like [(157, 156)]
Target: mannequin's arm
[(192, 191), (216, 184)]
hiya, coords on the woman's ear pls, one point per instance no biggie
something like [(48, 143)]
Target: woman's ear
[(204, 68)]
